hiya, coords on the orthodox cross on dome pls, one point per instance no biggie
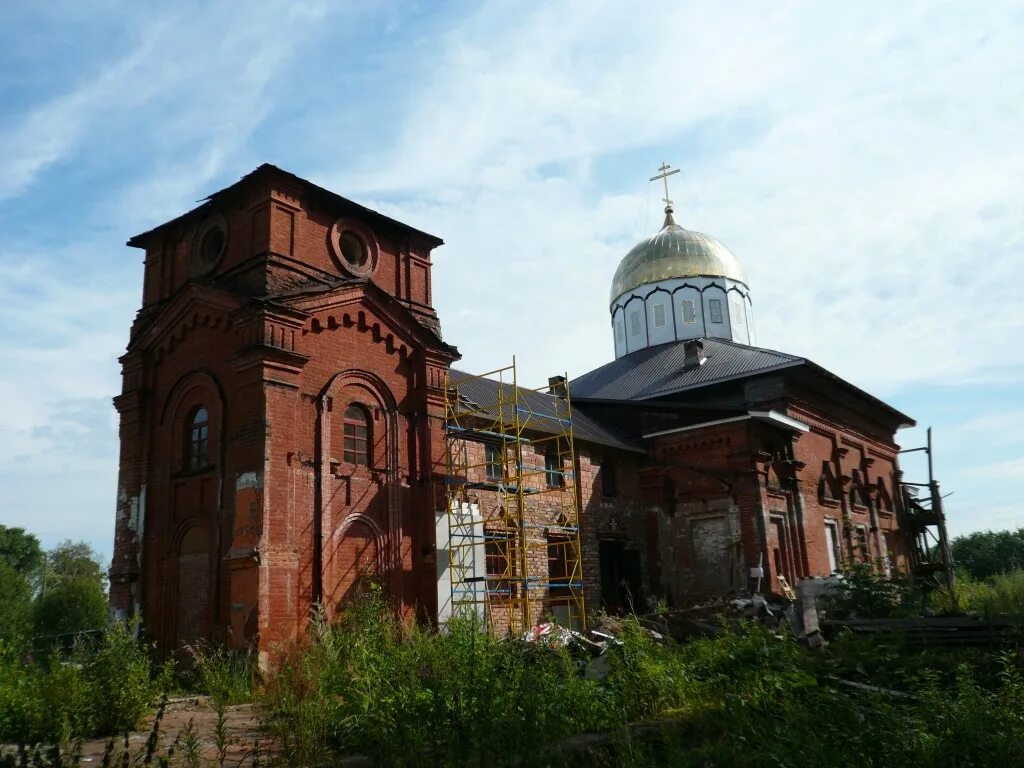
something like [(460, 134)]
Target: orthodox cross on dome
[(665, 173)]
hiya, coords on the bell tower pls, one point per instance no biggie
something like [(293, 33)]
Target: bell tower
[(280, 392)]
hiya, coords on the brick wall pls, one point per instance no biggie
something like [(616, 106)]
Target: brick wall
[(285, 519)]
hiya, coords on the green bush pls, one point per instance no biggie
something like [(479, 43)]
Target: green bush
[(104, 687), (120, 674), (404, 695), (868, 593)]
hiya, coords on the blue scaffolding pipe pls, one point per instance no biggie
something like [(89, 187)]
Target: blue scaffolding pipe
[(485, 432), (480, 486), (528, 412)]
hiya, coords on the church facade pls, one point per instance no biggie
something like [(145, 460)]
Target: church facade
[(282, 428)]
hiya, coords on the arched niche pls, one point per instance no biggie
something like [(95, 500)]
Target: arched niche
[(357, 554), (192, 582)]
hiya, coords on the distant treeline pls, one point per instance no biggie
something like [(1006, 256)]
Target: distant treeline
[(986, 553)]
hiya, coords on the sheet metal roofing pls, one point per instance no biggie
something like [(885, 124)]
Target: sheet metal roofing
[(484, 392), (660, 370)]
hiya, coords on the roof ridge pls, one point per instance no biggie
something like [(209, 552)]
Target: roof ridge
[(207, 201), (754, 346)]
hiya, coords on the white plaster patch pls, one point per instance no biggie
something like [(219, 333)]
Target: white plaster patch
[(248, 480)]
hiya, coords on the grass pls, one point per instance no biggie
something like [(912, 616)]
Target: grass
[(226, 676), (403, 696), (999, 595)]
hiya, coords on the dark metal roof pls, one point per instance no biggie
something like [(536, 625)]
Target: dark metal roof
[(483, 391), (656, 371), (332, 197), (659, 371)]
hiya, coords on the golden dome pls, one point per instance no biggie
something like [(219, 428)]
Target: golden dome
[(674, 252)]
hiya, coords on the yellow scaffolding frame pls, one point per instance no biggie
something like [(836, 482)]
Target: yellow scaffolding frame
[(519, 560)]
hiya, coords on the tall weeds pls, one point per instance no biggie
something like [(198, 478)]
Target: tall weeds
[(405, 696), (371, 684), (226, 676), (104, 686), (998, 595)]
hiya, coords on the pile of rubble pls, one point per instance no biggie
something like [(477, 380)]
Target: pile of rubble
[(799, 610)]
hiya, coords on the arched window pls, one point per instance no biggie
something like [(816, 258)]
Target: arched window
[(197, 439), (357, 435), (825, 492), (857, 495), (884, 500)]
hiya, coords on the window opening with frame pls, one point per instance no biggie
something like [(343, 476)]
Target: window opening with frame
[(737, 312), (832, 542), (608, 488), (861, 542), (715, 309), (553, 469), (689, 311), (356, 433), (659, 315), (493, 461), (197, 446)]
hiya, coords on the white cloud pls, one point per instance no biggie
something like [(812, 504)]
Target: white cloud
[(999, 428), (999, 515), (194, 86), (1010, 470), (69, 337), (875, 197)]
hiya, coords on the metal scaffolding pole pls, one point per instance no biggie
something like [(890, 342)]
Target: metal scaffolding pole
[(513, 539)]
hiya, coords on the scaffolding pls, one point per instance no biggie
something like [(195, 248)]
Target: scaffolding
[(924, 521), (511, 526)]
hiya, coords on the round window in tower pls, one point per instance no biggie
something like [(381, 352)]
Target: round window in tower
[(353, 247), (352, 250), (212, 245), (209, 244)]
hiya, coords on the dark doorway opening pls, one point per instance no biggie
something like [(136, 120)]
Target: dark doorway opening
[(621, 580)]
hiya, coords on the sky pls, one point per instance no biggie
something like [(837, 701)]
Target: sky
[(864, 161)]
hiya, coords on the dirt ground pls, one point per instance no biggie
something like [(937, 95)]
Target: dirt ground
[(242, 727)]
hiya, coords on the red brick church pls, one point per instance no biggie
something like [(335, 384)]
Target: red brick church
[(282, 428)]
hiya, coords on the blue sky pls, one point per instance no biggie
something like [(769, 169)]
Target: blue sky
[(866, 164)]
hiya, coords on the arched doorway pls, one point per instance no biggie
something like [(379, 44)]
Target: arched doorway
[(193, 600)]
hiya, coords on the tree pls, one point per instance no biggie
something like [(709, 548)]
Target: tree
[(71, 606), (74, 560), (986, 553), (15, 605), (20, 550), (72, 597)]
